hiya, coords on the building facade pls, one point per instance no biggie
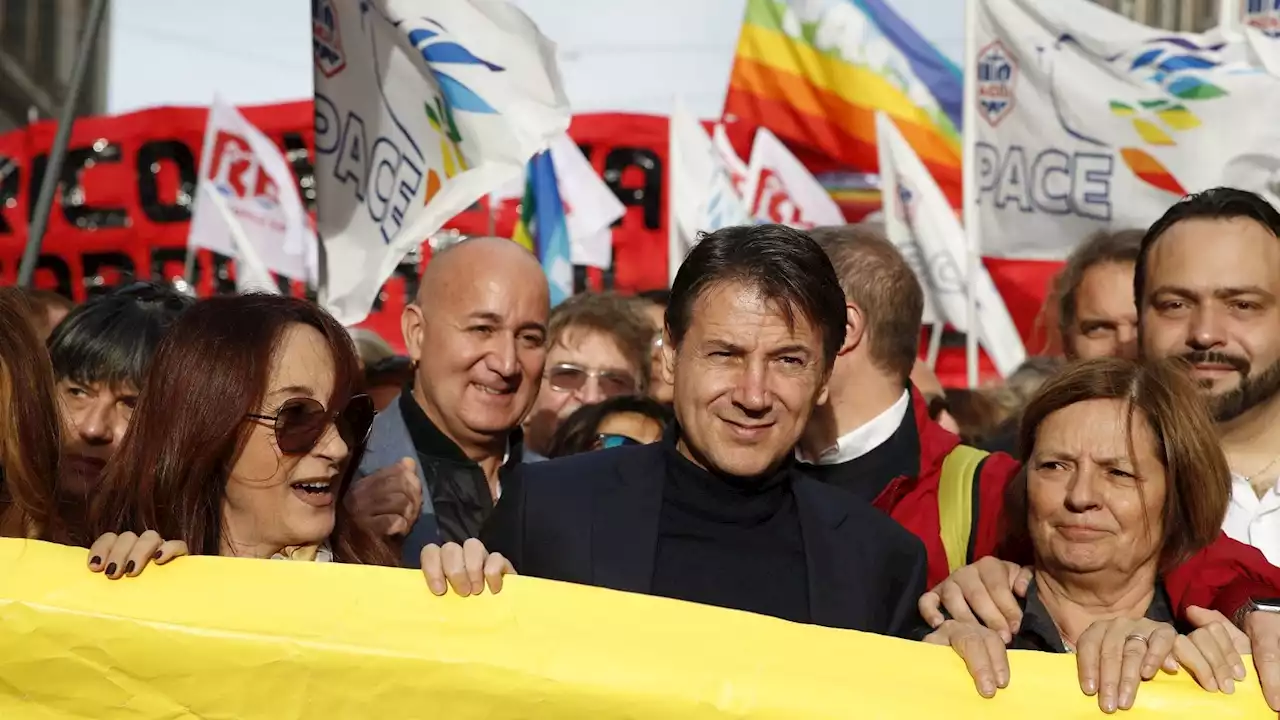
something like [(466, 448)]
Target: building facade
[(1177, 15), (39, 40)]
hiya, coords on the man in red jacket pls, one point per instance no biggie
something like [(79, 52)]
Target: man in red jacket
[(875, 438)]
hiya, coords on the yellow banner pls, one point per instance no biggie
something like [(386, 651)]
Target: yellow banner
[(228, 638)]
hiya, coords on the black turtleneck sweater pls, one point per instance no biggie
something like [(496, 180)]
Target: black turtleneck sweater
[(730, 542)]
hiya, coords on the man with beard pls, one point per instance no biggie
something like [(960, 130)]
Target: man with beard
[(1208, 287)]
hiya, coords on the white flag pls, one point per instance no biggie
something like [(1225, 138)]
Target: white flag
[(421, 108), (1087, 120), (590, 207), (780, 189), (924, 216), (735, 166), (240, 165), (702, 193)]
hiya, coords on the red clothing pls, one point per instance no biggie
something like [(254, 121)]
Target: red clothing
[(1221, 577)]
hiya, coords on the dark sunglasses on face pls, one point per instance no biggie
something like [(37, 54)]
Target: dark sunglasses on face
[(301, 422), (606, 440), (571, 378)]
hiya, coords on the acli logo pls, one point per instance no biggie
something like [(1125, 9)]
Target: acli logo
[(997, 72)]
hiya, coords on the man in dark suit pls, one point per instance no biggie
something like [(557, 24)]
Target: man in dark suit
[(717, 512)]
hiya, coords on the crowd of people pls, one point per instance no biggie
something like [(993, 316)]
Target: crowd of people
[(761, 437)]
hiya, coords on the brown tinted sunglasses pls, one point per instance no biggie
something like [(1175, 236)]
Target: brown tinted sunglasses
[(301, 422), (571, 378)]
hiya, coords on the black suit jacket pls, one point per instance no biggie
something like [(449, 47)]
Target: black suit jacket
[(593, 518)]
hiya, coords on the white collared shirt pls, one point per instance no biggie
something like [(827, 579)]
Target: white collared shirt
[(865, 438), (1252, 520)]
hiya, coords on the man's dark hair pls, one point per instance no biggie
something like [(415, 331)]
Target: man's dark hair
[(111, 338), (1220, 203), (1100, 248), (786, 266), (877, 278), (660, 296), (578, 432)]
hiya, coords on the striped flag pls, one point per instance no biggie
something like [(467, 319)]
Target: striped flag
[(816, 72), (542, 227)]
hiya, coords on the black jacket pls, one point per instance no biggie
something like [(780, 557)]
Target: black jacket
[(593, 518)]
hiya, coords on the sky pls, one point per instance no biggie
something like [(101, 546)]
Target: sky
[(615, 55)]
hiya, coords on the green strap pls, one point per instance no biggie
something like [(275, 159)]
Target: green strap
[(955, 502)]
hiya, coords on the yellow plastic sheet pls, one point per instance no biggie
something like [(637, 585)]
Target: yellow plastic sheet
[(226, 638)]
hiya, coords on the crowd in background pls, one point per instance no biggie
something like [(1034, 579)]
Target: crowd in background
[(761, 437)]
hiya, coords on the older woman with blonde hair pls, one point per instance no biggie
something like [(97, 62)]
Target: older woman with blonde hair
[(1123, 479)]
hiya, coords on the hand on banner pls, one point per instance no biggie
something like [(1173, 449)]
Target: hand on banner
[(983, 652), (981, 593), (1263, 629), (387, 502), (127, 554), (467, 567), (1215, 659)]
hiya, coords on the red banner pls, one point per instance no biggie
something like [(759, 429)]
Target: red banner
[(124, 204)]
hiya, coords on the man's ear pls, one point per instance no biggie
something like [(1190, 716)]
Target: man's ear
[(855, 328), (668, 358), (411, 327)]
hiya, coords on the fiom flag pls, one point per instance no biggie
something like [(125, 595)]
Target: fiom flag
[(247, 203), (815, 72), (1087, 121), (421, 108), (779, 189)]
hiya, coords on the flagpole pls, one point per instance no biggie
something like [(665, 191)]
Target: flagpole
[(1229, 16), (935, 344), (970, 186), (673, 227), (57, 154)]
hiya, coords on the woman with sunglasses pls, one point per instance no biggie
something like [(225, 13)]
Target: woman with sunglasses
[(618, 421), (242, 440)]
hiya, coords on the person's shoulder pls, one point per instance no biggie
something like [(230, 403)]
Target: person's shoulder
[(588, 466), (595, 460), (862, 517)]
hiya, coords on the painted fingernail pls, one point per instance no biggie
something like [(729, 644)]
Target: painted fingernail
[(128, 567), (157, 555), (95, 561), (111, 569)]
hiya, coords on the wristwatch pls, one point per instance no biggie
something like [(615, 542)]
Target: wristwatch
[(1267, 605)]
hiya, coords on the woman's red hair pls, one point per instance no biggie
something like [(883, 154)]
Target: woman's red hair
[(30, 441), (210, 371)]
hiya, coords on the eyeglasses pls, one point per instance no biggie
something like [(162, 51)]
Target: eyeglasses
[(301, 422), (606, 440), (571, 378)]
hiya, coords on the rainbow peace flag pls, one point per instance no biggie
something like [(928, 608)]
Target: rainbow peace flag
[(542, 228), (816, 73)]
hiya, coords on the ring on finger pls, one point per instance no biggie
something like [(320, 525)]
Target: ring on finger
[(1137, 636)]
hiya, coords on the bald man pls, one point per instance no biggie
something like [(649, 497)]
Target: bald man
[(477, 337)]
